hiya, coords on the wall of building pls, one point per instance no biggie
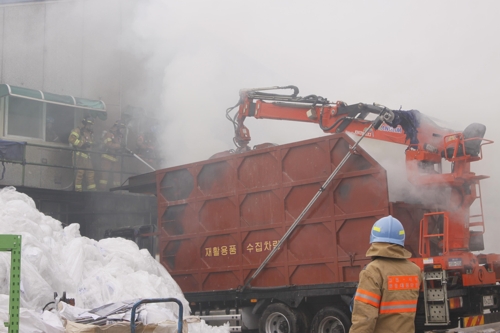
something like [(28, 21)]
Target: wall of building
[(79, 48)]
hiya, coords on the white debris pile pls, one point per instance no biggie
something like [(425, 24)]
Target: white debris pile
[(94, 273)]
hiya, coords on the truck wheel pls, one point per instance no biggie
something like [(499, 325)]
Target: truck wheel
[(279, 318), (330, 320), (303, 319)]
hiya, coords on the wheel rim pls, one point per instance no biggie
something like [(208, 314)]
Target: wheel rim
[(331, 324), (277, 323)]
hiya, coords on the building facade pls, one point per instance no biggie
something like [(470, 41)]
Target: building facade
[(60, 61)]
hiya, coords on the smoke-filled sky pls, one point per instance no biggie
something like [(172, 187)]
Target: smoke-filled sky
[(439, 57)]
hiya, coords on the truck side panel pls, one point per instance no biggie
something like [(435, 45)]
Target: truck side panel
[(220, 218)]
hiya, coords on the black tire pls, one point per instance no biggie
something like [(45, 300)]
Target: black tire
[(303, 320), (279, 318), (331, 320)]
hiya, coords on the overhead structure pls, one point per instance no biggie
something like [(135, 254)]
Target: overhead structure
[(96, 108)]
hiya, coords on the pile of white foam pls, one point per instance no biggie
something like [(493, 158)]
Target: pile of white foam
[(94, 273)]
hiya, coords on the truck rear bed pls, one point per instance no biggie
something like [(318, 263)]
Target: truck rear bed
[(220, 218)]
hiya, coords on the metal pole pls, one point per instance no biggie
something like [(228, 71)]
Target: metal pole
[(12, 243), (24, 166), (313, 200)]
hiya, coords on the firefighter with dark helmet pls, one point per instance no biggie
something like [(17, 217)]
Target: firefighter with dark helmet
[(110, 159), (387, 293), (146, 145), (81, 140)]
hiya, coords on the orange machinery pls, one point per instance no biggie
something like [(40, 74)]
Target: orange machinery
[(447, 237), (221, 218)]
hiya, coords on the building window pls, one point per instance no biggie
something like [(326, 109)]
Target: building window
[(59, 122), (25, 118), (37, 120)]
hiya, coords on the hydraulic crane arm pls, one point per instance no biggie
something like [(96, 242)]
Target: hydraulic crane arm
[(407, 127), (428, 144)]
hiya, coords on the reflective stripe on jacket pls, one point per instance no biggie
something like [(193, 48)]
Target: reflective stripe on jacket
[(79, 153), (109, 157), (387, 294), (74, 138), (77, 138), (112, 144)]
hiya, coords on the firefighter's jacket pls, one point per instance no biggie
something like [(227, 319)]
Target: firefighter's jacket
[(387, 294), (112, 145), (146, 145), (78, 137)]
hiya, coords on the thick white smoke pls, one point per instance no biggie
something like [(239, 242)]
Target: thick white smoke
[(440, 58)]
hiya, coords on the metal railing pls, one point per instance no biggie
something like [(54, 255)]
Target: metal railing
[(158, 300), (66, 160)]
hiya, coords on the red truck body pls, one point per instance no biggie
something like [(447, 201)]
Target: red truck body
[(220, 218), (275, 237)]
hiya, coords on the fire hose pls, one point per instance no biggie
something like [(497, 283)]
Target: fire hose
[(140, 159)]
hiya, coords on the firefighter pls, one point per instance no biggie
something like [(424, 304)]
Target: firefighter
[(110, 161), (386, 298), (146, 145), (81, 140)]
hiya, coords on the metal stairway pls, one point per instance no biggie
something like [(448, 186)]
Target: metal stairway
[(437, 311)]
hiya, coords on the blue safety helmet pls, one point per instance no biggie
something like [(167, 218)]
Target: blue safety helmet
[(388, 230)]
